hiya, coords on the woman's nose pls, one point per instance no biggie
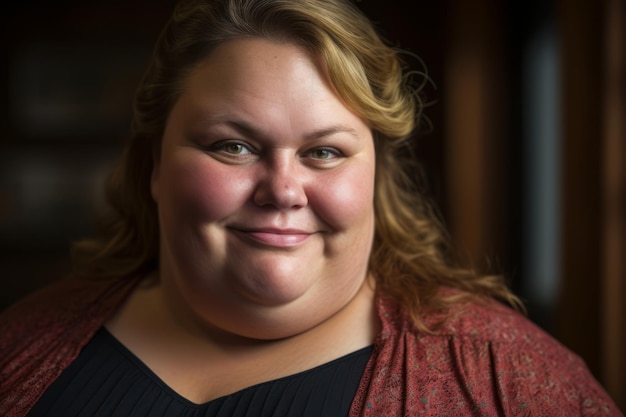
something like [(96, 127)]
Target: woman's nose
[(281, 184)]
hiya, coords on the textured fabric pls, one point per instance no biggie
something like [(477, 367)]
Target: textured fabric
[(43, 333), (488, 360), (108, 380)]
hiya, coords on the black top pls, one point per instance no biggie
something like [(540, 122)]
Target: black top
[(107, 380)]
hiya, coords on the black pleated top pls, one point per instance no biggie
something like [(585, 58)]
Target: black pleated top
[(107, 380)]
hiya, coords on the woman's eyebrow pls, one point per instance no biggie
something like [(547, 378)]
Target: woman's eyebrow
[(332, 130), (238, 125), (249, 130)]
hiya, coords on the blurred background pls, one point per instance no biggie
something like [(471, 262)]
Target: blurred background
[(525, 157)]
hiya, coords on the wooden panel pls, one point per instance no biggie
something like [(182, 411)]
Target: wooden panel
[(614, 199), (592, 315), (476, 117), (579, 311)]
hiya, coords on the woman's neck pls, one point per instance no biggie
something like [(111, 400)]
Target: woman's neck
[(202, 362)]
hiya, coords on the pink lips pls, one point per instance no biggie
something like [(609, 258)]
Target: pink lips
[(276, 238)]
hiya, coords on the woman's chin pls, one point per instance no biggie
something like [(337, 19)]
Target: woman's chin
[(273, 290), (274, 283)]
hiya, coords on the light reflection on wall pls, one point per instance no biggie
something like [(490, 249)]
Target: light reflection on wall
[(541, 245)]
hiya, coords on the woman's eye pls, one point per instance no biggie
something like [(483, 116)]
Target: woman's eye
[(324, 153), (233, 148)]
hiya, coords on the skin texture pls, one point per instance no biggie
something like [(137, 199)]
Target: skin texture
[(264, 188)]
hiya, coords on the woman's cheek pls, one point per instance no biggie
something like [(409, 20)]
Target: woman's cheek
[(345, 198), (208, 189)]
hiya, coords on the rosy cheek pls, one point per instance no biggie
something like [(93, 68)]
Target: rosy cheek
[(345, 198), (208, 189)]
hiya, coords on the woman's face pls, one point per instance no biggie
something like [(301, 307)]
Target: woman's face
[(264, 189)]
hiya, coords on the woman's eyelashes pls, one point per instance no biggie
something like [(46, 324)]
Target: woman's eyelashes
[(232, 151), (323, 157), (324, 153), (232, 148), (238, 150)]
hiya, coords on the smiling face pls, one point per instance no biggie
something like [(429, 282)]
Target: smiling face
[(264, 189)]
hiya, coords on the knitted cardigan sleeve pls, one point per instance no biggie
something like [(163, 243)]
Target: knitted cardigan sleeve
[(43, 333), (486, 361)]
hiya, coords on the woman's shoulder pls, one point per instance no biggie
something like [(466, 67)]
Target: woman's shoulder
[(496, 351), (61, 305), (43, 332), (486, 324), (490, 321), (472, 319)]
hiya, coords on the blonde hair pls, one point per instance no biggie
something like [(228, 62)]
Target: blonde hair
[(409, 256)]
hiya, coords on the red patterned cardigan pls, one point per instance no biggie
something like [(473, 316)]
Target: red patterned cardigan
[(486, 361)]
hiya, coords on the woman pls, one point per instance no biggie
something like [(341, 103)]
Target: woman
[(267, 255)]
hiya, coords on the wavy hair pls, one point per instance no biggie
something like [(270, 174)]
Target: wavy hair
[(410, 256)]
